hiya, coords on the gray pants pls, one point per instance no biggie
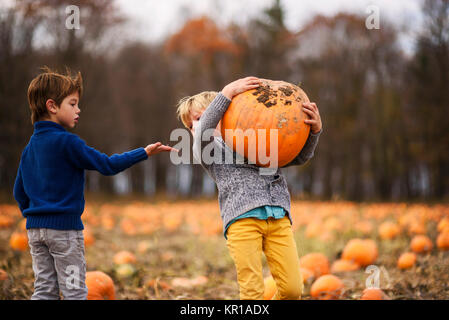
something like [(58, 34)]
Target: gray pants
[(58, 264)]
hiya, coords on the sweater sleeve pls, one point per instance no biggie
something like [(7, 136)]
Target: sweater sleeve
[(209, 121), (307, 151), (85, 157), (19, 192)]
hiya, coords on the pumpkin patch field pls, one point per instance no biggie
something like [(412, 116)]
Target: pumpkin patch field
[(176, 250)]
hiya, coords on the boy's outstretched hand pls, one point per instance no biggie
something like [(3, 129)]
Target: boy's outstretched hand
[(158, 147), (240, 85), (315, 120)]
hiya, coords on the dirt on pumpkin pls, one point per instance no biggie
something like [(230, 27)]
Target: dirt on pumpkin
[(269, 97)]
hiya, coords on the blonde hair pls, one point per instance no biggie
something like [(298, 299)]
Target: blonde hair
[(194, 103)]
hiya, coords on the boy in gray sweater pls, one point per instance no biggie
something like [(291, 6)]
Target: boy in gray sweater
[(254, 207)]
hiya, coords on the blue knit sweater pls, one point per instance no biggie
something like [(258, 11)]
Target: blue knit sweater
[(49, 187)]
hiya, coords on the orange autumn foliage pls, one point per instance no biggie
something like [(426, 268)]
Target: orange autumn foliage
[(202, 38)]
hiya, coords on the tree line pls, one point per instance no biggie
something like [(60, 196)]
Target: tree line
[(384, 110)]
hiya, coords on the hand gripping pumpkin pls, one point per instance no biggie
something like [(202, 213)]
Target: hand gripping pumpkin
[(273, 109)]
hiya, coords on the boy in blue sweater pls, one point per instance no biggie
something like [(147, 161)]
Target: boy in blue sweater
[(49, 187)]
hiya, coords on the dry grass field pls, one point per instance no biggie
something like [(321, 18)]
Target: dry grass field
[(176, 250)]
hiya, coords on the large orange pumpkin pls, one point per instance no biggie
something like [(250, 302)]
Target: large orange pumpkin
[(274, 105), (99, 286)]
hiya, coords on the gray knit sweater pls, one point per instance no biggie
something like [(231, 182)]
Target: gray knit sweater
[(241, 187)]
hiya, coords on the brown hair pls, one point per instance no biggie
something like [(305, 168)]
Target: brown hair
[(197, 102), (51, 85)]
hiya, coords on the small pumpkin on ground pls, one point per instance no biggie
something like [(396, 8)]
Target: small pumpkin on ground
[(443, 224), (372, 294), (19, 241), (3, 275), (388, 230), (421, 244), (343, 265), (306, 274), (124, 257), (100, 286), (89, 238), (327, 287), (362, 251), (316, 262), (406, 260), (443, 241)]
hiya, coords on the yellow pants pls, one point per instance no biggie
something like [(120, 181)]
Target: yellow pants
[(247, 239)]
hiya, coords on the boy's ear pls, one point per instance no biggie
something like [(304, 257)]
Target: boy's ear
[(51, 106)]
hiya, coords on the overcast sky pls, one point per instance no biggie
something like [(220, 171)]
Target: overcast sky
[(152, 20)]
